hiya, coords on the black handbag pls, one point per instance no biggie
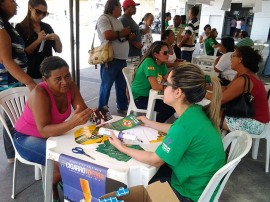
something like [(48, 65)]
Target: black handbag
[(242, 106)]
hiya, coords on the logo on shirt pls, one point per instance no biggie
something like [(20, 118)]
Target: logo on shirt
[(165, 145), (151, 68)]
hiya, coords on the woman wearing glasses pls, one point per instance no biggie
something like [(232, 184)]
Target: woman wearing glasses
[(192, 148), (13, 62), (38, 36), (151, 73)]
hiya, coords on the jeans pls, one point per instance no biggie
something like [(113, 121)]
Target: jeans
[(109, 75), (10, 153), (31, 148), (186, 55), (164, 111)]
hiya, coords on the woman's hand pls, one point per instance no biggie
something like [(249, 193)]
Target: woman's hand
[(41, 36), (80, 117), (52, 37), (116, 142), (145, 121)]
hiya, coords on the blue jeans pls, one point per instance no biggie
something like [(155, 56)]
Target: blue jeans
[(7, 141), (109, 75), (164, 111), (31, 148), (186, 55)]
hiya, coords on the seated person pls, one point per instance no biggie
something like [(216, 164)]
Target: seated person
[(192, 148), (169, 38), (211, 42), (151, 72), (245, 62), (244, 40), (45, 113), (222, 64)]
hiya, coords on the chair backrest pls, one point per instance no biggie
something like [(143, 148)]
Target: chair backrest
[(258, 47), (204, 50), (240, 143), (13, 101), (129, 76)]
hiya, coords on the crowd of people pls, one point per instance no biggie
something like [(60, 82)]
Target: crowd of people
[(26, 58)]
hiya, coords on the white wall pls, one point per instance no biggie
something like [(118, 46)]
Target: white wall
[(214, 15), (261, 23)]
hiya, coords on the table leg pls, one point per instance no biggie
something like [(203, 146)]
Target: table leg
[(48, 180)]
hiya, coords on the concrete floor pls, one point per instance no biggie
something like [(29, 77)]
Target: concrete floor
[(248, 182)]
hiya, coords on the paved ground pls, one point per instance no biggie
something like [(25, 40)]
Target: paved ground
[(248, 182)]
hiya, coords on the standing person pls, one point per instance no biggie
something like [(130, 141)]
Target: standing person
[(13, 62), (192, 148), (135, 40), (151, 72), (46, 111), (168, 17), (233, 26), (238, 28), (191, 28), (176, 28), (183, 21), (146, 32), (35, 34), (109, 28)]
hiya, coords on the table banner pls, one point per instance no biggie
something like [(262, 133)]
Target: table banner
[(82, 180)]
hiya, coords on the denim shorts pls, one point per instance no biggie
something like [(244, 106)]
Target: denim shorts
[(31, 148)]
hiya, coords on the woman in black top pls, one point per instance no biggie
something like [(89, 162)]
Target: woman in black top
[(34, 33)]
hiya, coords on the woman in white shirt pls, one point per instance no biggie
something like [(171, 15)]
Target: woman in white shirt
[(169, 38), (222, 64), (205, 34), (145, 29)]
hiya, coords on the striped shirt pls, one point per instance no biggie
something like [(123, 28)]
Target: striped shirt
[(192, 27)]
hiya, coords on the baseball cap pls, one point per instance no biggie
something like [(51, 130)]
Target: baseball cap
[(127, 3)]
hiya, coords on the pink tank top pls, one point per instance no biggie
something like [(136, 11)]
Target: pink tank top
[(26, 123)]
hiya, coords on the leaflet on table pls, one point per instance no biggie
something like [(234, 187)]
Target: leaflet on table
[(101, 116), (89, 135), (125, 123), (82, 181)]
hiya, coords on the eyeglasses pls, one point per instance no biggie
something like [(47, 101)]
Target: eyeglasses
[(165, 52), (39, 12), (166, 84)]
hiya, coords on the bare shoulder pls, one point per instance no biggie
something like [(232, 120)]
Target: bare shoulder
[(39, 93)]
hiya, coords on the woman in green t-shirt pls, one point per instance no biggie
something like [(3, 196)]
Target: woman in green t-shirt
[(211, 42), (151, 72), (192, 148)]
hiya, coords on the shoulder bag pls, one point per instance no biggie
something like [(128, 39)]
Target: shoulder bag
[(101, 54), (242, 106)]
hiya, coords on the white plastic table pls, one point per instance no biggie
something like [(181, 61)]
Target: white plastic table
[(131, 173)]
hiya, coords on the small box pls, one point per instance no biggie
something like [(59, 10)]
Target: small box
[(155, 192)]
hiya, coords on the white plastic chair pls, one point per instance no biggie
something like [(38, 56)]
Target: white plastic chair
[(258, 47), (129, 75), (12, 101), (240, 143)]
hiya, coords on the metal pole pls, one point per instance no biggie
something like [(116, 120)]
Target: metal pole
[(163, 10), (71, 38), (77, 22)]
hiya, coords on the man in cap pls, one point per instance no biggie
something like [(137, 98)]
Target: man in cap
[(135, 44)]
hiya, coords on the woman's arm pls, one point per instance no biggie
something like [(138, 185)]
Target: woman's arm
[(154, 83), (163, 127), (7, 60), (30, 49), (58, 43), (147, 157), (200, 39), (40, 104)]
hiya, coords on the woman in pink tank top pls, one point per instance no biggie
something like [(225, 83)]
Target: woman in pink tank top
[(245, 61), (45, 113)]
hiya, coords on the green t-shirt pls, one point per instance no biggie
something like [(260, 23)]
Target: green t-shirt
[(208, 46), (194, 150), (141, 85)]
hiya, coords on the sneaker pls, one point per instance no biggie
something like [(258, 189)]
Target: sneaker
[(122, 111), (11, 160)]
